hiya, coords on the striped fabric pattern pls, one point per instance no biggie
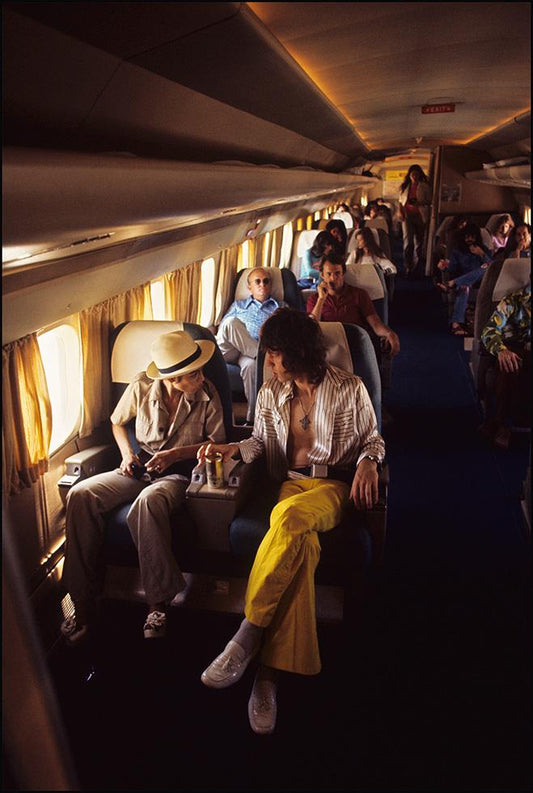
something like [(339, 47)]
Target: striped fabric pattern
[(344, 424)]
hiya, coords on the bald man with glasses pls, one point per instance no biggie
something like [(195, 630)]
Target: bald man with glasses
[(238, 334)]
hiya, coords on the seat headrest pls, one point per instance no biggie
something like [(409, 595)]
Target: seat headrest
[(514, 275), (365, 277), (242, 291), (304, 240), (131, 349), (338, 353), (346, 218), (338, 349), (377, 223)]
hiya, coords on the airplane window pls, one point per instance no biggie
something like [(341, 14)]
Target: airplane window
[(527, 215), (208, 292), (60, 352), (157, 292), (317, 215)]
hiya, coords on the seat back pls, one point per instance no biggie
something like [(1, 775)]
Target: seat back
[(377, 223), (302, 241), (130, 354), (486, 238), (350, 348), (346, 218), (370, 278)]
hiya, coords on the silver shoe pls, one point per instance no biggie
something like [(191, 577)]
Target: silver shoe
[(228, 667), (262, 711)]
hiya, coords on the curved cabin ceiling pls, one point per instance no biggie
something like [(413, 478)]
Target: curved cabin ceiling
[(348, 79)]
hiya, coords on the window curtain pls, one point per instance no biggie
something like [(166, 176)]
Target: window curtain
[(96, 326), (26, 415), (286, 239), (183, 293), (226, 273)]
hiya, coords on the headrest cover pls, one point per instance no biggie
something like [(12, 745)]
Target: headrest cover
[(365, 277), (305, 240), (242, 291), (131, 350), (514, 275)]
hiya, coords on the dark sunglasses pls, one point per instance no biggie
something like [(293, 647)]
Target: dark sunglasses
[(261, 280)]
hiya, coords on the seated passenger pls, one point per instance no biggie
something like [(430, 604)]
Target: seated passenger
[(501, 235), (308, 412), (369, 252), (313, 256), (175, 409), (337, 301), (337, 229), (466, 266), (507, 336), (238, 333), (518, 244)]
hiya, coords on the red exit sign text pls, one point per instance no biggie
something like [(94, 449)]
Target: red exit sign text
[(447, 108)]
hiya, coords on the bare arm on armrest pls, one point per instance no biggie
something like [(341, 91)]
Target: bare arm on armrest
[(129, 458)]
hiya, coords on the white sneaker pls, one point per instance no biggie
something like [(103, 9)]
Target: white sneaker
[(155, 626)]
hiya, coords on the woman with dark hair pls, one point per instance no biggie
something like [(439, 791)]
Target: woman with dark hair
[(518, 243), (369, 252), (466, 267), (415, 198), (313, 257), (337, 229)]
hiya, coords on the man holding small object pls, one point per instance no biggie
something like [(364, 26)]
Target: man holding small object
[(175, 410), (307, 413)]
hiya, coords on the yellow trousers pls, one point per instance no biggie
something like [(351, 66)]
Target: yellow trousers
[(281, 589)]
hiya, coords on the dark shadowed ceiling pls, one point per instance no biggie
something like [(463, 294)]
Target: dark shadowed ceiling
[(350, 78)]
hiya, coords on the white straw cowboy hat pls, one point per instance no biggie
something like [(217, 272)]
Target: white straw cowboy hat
[(177, 353)]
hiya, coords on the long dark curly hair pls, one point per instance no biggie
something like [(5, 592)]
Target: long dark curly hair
[(298, 338)]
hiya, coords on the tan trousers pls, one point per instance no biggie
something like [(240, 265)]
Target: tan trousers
[(149, 524), (281, 589), (238, 347)]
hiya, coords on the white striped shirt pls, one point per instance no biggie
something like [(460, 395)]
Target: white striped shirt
[(345, 424)]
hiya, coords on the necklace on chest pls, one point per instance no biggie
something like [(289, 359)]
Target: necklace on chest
[(305, 421)]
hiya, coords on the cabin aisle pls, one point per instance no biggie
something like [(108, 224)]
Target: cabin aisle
[(432, 692)]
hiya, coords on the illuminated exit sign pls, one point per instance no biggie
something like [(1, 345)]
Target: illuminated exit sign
[(447, 108)]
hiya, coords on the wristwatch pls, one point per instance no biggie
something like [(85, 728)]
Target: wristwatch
[(374, 459)]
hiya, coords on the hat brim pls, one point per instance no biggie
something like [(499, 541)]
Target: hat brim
[(207, 348)]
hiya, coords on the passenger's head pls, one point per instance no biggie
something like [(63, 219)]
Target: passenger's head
[(177, 360), (332, 270), (259, 283), (367, 242), (414, 174), (505, 224), (519, 239), (337, 229), (323, 244), (293, 345), (471, 235)]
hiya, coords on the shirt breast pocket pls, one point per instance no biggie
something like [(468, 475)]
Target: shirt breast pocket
[(149, 430), (343, 429)]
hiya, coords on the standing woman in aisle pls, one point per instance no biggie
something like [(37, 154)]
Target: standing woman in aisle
[(415, 199)]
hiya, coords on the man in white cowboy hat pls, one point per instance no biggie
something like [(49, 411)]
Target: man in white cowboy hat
[(175, 409)]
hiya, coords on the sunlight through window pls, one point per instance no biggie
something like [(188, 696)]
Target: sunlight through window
[(60, 353)]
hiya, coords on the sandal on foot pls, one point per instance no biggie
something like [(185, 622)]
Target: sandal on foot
[(458, 331)]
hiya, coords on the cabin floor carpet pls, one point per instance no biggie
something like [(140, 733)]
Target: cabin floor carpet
[(431, 693)]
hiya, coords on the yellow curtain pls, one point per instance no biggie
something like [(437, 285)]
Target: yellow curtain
[(26, 415), (183, 293), (226, 272), (299, 223), (96, 325)]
